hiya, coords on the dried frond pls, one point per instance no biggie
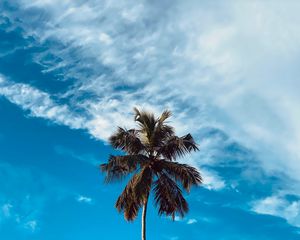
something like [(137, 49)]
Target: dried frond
[(161, 133), (168, 197), (165, 115), (135, 194), (119, 166), (185, 174), (126, 202), (147, 123), (142, 184), (127, 140)]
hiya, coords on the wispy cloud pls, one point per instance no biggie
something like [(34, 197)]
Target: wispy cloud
[(38, 103), (279, 206), (17, 215), (84, 199), (31, 225), (25, 206), (192, 221), (6, 210), (188, 221), (211, 180), (41, 104), (88, 158)]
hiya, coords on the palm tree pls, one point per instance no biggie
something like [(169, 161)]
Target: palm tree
[(151, 153)]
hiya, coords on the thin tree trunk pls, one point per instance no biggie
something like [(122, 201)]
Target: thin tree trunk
[(144, 219)]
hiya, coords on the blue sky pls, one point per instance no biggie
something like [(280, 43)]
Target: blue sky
[(71, 71)]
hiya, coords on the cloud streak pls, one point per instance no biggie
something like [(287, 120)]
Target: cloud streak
[(38, 103), (84, 199), (279, 206)]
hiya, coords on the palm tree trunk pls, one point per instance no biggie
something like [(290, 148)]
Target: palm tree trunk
[(144, 219)]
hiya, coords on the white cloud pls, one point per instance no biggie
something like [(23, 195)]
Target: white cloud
[(234, 67), (84, 199), (9, 213), (192, 221), (211, 180), (38, 103), (31, 225), (279, 206), (6, 210), (177, 219), (180, 219), (105, 38)]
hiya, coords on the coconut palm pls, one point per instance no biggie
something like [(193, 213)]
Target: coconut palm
[(151, 153)]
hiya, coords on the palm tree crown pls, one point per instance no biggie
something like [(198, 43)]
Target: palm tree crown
[(151, 153)]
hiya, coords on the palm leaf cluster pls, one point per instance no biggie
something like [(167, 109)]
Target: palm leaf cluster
[(151, 153)]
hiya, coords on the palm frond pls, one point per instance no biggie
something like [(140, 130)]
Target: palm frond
[(126, 202), (147, 123), (161, 133), (118, 167), (176, 147), (127, 140), (142, 184), (135, 194), (154, 131), (185, 174), (168, 197), (162, 130), (165, 115)]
